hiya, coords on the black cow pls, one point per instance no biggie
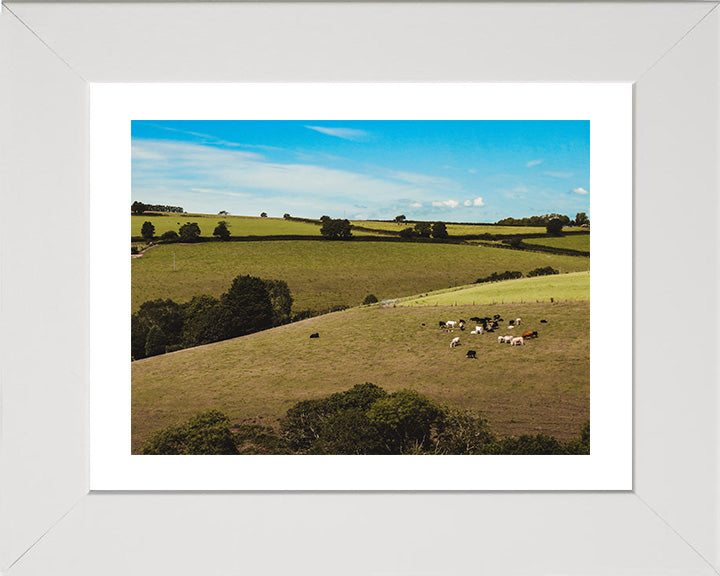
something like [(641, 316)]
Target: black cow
[(474, 319), (471, 354), (316, 335), (441, 324), (496, 317), (543, 321)]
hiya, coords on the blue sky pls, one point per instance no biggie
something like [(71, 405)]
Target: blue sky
[(462, 171)]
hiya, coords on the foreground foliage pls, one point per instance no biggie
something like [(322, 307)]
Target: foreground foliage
[(362, 420)]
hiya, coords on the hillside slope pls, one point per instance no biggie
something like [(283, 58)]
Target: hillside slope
[(541, 387)]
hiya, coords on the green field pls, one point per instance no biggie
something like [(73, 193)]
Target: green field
[(540, 387), (574, 286), (322, 274), (238, 225), (576, 242)]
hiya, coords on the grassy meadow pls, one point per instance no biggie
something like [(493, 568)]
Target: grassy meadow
[(540, 387), (322, 274), (575, 242), (238, 225), (573, 286)]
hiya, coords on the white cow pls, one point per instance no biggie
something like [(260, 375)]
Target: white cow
[(501, 339), (517, 321), (478, 330), (455, 342), (507, 339), (451, 324), (517, 341)]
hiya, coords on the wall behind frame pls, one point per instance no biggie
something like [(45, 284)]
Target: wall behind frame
[(44, 231), (677, 112)]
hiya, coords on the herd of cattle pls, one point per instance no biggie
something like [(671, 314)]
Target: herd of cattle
[(487, 324)]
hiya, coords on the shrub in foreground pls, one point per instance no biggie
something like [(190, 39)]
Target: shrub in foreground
[(205, 433)]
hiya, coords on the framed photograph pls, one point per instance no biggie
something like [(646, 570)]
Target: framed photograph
[(74, 494), (293, 157)]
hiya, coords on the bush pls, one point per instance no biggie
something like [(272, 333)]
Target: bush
[(259, 439), (263, 214), (423, 229), (134, 250), (286, 216), (190, 232), (545, 271), (495, 277), (370, 299), (439, 230), (408, 233), (205, 433), (464, 433), (170, 236), (336, 229), (526, 444)]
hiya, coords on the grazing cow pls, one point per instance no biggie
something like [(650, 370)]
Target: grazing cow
[(507, 339), (518, 321), (455, 342), (474, 319), (441, 324), (543, 321), (496, 316), (510, 323), (517, 341), (501, 339), (478, 330), (316, 335), (451, 324), (471, 354), (510, 326), (532, 334)]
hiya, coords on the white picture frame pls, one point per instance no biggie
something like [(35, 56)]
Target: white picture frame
[(668, 523)]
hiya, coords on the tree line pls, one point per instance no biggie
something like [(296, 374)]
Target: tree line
[(365, 419), (141, 208), (251, 304), (581, 219)]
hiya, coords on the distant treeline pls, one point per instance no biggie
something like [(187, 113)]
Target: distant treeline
[(514, 274), (365, 419), (141, 208), (534, 220)]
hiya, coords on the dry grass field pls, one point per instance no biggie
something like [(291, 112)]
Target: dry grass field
[(540, 387)]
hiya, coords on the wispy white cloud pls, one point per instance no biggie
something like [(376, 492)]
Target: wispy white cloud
[(472, 170), (446, 203), (559, 174), (344, 133), (521, 189), (580, 191), (478, 202), (199, 176), (533, 163)]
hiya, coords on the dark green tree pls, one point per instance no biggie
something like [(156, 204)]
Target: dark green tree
[(205, 433), (248, 305), (281, 300), (139, 328), (406, 421), (263, 215), (439, 230), (423, 229), (205, 321), (165, 314), (400, 218), (223, 213), (336, 229), (554, 227), (189, 232), (138, 207), (148, 230), (155, 342), (286, 216), (221, 230), (581, 218)]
